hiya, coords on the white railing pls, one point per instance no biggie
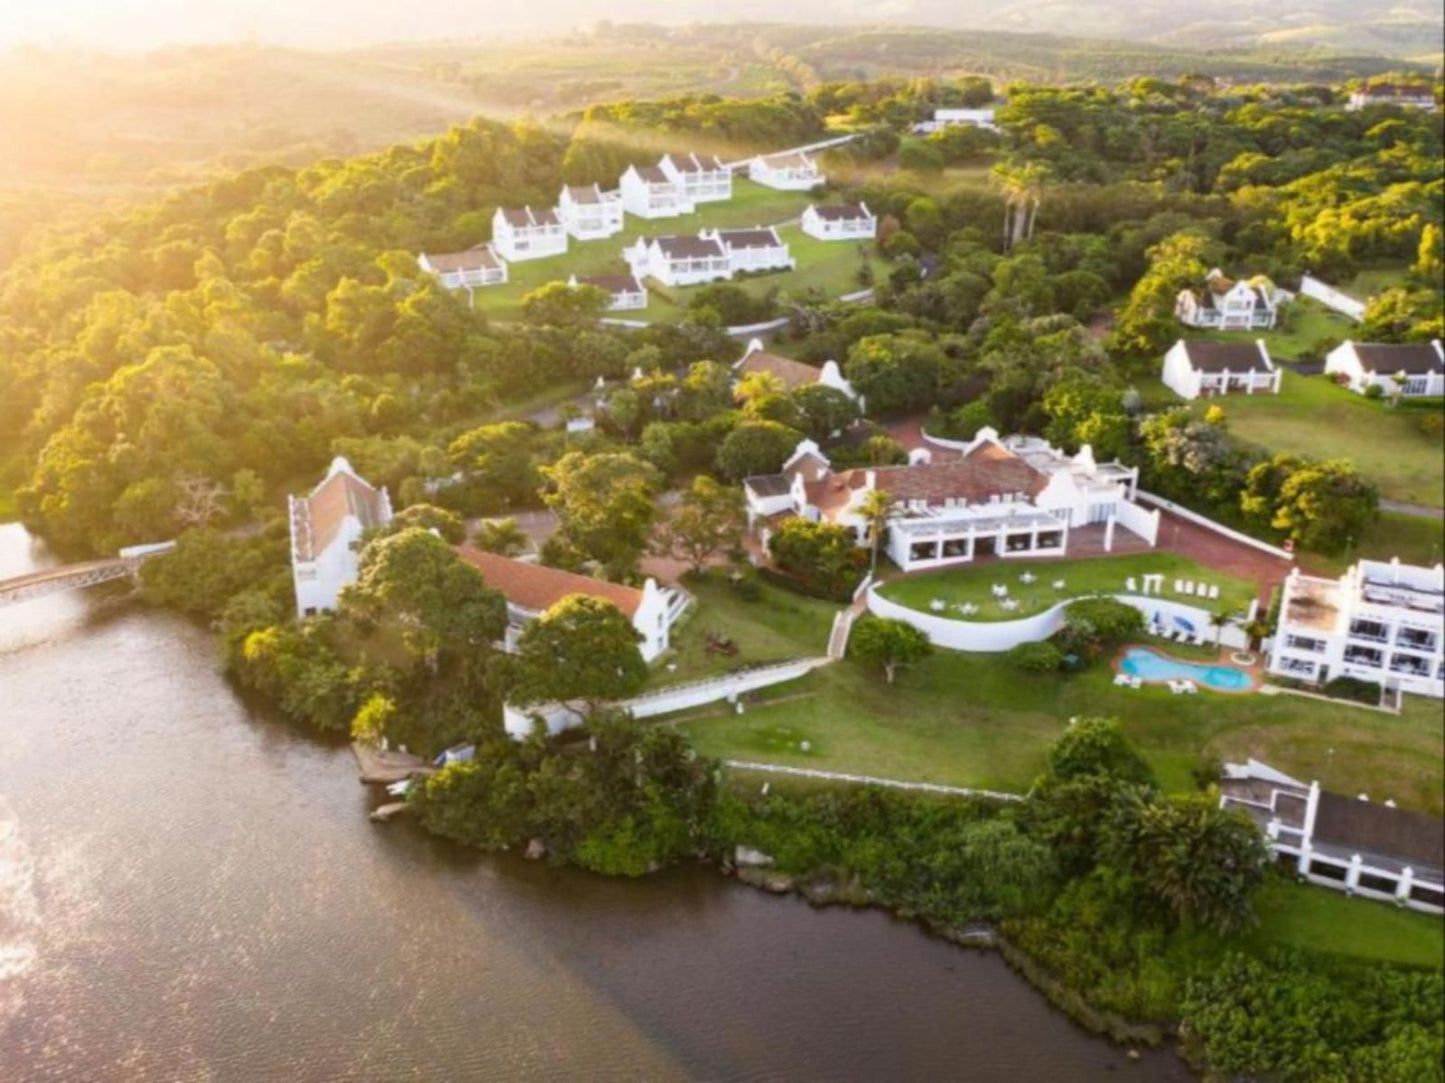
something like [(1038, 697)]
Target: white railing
[(870, 780)]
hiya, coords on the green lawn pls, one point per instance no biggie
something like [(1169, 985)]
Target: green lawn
[(1306, 916), (971, 720), (829, 266), (1312, 416), (1307, 324), (1105, 574), (778, 626), (1413, 538)]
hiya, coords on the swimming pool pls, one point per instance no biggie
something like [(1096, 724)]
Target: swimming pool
[(1149, 665)]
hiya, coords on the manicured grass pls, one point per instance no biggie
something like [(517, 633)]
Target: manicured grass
[(1307, 324), (778, 626), (1105, 574), (971, 720), (1322, 920), (829, 266), (1312, 416), (1415, 539)]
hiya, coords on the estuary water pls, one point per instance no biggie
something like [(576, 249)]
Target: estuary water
[(190, 890)]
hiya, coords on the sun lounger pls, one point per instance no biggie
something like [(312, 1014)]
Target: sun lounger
[(1213, 590), (1121, 679), (1136, 683), (1178, 586), (1131, 586), (1189, 688)]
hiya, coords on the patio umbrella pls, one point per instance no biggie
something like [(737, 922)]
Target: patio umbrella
[(1187, 625)]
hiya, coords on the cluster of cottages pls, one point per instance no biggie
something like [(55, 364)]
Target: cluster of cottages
[(328, 523), (675, 186), (1007, 497), (1196, 368), (1407, 96)]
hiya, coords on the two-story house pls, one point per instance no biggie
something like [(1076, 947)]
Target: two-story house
[(326, 525), (469, 270), (648, 192), (1413, 369), (588, 213), (1377, 622), (1226, 305), (1195, 368), (793, 171), (521, 233), (840, 222), (679, 260), (702, 177), (756, 249), (1014, 497)]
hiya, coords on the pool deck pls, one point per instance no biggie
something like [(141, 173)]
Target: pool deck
[(1221, 658)]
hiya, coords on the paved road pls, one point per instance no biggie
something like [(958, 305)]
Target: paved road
[(1420, 511)]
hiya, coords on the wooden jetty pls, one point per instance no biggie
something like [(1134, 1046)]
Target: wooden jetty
[(387, 765)]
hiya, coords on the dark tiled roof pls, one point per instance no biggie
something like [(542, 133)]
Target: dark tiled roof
[(652, 174), (697, 163), (1207, 356), (612, 283), (987, 471), (473, 259), (1412, 837), (1418, 359), (769, 484), (839, 212), (524, 217), (679, 247), (587, 194), (749, 238)]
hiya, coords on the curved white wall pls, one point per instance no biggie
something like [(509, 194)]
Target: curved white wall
[(993, 637)]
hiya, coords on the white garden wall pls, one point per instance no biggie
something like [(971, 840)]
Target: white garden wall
[(1135, 519), (1330, 297)]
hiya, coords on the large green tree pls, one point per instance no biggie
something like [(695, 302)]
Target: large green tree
[(583, 651)]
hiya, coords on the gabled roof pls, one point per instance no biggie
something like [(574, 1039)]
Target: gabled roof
[(1415, 358), (585, 194), (1205, 356), (793, 374), (688, 247), (769, 484), (480, 258), (318, 518), (697, 163), (790, 160), (526, 217), (611, 283), (841, 212), (761, 237), (651, 174), (1371, 827), (537, 588)]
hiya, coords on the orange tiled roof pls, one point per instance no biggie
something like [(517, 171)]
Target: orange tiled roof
[(794, 374), (537, 587), (988, 470), (337, 497)]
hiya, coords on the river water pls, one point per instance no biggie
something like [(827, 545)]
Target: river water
[(190, 890)]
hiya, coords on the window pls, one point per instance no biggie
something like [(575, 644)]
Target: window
[(1415, 637), (1372, 630), (1051, 539), (1297, 666), (923, 551), (1305, 643), (1364, 656)]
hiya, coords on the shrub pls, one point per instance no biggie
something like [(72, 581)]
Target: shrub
[(1374, 391), (1352, 688), (1040, 657)]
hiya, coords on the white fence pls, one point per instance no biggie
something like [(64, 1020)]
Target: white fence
[(1330, 297), (558, 716), (870, 780), (1134, 518), (1210, 524), (993, 637)]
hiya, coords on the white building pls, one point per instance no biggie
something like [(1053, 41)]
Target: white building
[(949, 118), (1352, 844), (469, 270), (790, 172), (1407, 97), (325, 527), (792, 374), (679, 260), (1411, 369), (1377, 622), (840, 222), (757, 249), (532, 589), (1193, 368), (648, 192), (702, 177), (1226, 305), (624, 291), (522, 233), (588, 213), (1016, 497)]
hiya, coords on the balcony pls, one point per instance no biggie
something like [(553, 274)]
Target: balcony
[(1359, 656)]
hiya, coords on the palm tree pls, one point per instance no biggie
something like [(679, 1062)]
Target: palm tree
[(1022, 187), (1219, 620), (874, 511)]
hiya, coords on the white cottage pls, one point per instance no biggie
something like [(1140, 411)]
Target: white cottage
[(1194, 369), (1226, 305), (1406, 96), (840, 222), (532, 589), (757, 249), (523, 233), (325, 527), (648, 192), (469, 270), (792, 374), (588, 213), (679, 260), (702, 177), (1015, 497), (624, 291), (790, 172), (1411, 369)]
